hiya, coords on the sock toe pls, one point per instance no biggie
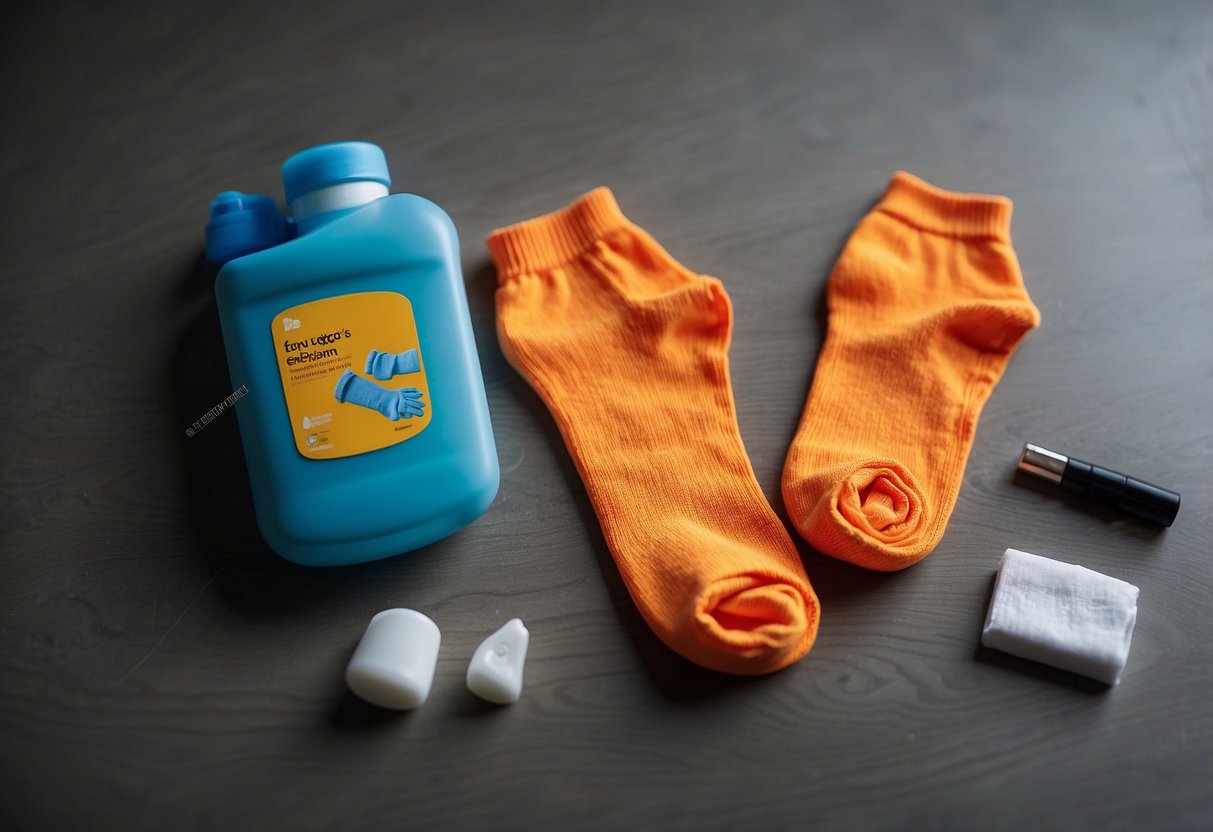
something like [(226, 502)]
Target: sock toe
[(880, 499), (751, 624), (872, 513)]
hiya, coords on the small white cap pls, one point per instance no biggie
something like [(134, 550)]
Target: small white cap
[(393, 665), (495, 672)]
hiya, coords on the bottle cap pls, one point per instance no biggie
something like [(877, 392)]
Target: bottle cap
[(331, 164), (241, 224), (393, 666)]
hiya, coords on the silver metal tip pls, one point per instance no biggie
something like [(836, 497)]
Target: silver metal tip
[(1042, 462)]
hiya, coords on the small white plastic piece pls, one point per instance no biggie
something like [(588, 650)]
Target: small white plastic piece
[(495, 672), (393, 665)]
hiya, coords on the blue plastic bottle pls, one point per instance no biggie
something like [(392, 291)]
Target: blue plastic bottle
[(365, 425)]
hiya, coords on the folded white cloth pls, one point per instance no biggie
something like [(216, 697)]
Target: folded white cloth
[(1062, 615)]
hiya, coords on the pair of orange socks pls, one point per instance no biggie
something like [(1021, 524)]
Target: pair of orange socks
[(628, 349)]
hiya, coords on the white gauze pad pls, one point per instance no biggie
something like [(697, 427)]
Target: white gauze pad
[(1061, 614)]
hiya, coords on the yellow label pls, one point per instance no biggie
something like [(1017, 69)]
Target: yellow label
[(352, 372)]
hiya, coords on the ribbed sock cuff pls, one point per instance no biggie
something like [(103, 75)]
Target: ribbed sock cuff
[(924, 206), (556, 238)]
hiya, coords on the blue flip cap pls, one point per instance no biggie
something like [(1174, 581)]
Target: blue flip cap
[(241, 224)]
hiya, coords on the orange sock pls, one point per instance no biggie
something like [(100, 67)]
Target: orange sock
[(628, 350), (926, 306)]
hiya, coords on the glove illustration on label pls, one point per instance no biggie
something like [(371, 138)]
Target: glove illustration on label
[(384, 365), (393, 404)]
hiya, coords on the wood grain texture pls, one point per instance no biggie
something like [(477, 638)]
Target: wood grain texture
[(161, 669)]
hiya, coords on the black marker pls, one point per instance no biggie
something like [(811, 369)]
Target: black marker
[(1150, 502)]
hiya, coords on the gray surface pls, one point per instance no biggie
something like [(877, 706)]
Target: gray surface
[(160, 669)]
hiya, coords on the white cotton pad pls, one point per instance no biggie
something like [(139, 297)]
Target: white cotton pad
[(1062, 615), (393, 665)]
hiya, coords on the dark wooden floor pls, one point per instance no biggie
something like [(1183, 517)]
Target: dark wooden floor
[(161, 669)]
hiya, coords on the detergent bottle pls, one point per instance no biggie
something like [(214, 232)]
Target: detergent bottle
[(365, 425)]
